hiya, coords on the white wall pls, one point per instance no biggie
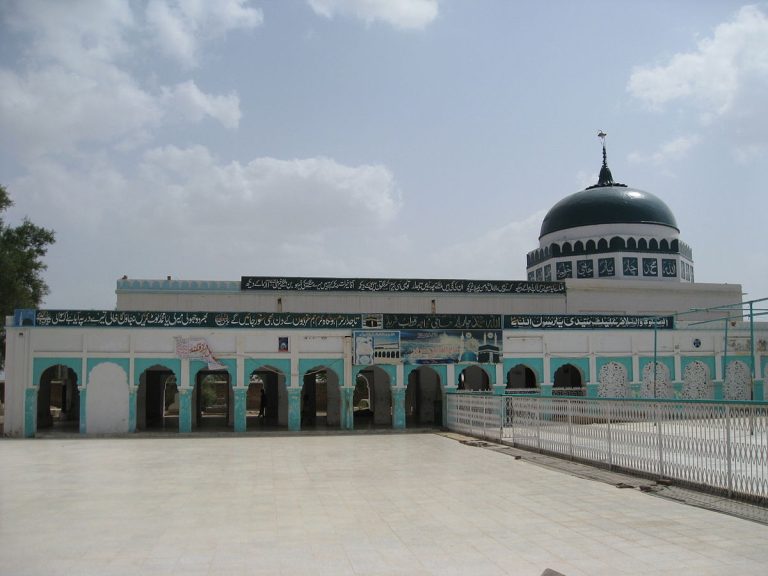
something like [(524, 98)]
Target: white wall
[(106, 403)]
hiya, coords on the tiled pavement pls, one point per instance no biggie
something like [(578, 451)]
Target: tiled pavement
[(410, 504)]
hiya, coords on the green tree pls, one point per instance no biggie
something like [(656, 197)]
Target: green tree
[(22, 249)]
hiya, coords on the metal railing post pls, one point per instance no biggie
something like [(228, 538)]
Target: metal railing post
[(728, 451), (538, 425), (610, 442), (570, 428), (659, 437)]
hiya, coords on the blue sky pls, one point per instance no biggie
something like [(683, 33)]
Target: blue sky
[(394, 138)]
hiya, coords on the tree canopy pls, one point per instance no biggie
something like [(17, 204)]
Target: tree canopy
[(22, 249)]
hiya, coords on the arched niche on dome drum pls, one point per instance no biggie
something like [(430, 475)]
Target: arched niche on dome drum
[(602, 245), (631, 244), (578, 248), (617, 243), (664, 245), (675, 245), (554, 249), (653, 245), (590, 247), (642, 244), (567, 248)]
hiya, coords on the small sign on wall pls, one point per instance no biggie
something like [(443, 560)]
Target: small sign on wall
[(282, 344)]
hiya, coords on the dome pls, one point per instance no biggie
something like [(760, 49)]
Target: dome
[(607, 205)]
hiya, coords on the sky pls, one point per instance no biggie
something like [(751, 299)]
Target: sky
[(372, 138)]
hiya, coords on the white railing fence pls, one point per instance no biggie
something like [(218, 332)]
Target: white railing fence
[(716, 446)]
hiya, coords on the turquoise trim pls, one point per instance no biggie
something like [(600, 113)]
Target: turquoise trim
[(758, 390), (240, 406), (335, 365), (132, 410), (546, 389), (668, 361), (283, 365), (708, 361), (124, 363), (717, 390), (440, 369), (40, 365), (177, 286), (294, 409), (398, 408), (30, 412), (196, 366), (389, 369), (581, 363), (140, 365), (489, 369), (185, 410), (535, 364), (593, 390), (83, 414), (625, 361)]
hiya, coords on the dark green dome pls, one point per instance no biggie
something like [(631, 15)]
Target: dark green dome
[(607, 205)]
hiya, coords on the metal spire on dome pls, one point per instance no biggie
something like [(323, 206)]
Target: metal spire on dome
[(605, 178)]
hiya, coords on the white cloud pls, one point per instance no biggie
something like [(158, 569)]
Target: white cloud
[(496, 253), (404, 14), (189, 103), (290, 197), (671, 151), (185, 212), (75, 85), (713, 75), (179, 25)]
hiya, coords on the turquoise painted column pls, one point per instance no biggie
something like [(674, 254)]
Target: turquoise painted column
[(677, 387), (635, 390), (83, 416), (347, 409), (240, 398), (498, 390), (294, 409), (398, 408), (592, 390), (758, 390), (717, 389), (546, 389), (185, 410), (132, 409), (30, 412)]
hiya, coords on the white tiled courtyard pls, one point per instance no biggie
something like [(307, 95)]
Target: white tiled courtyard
[(410, 504)]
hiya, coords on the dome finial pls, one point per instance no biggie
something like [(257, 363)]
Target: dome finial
[(605, 178)]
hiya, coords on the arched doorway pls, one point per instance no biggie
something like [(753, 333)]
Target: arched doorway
[(58, 400), (372, 399), (212, 405), (521, 379), (474, 379), (568, 381), (423, 398), (266, 402), (157, 400), (320, 399)]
